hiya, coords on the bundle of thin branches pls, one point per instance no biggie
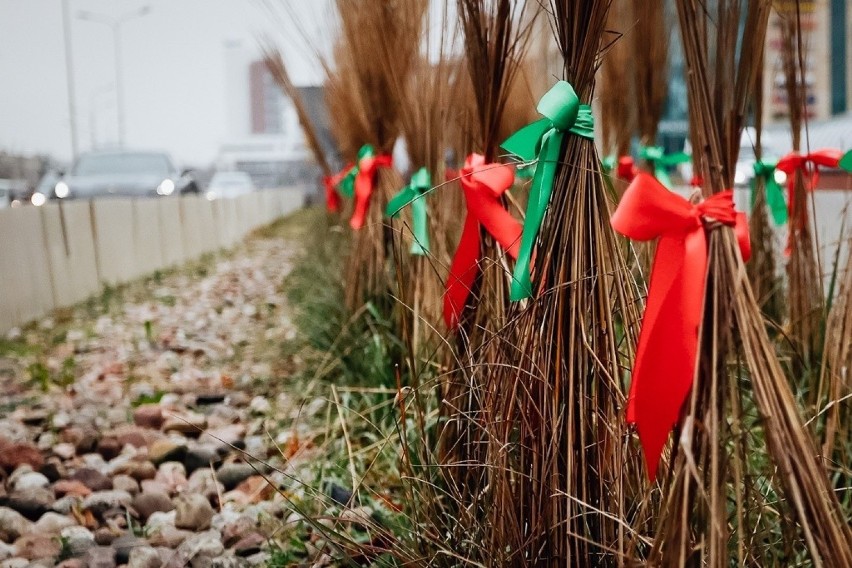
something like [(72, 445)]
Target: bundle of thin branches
[(421, 275), (565, 482), (379, 46), (804, 278), (745, 483), (762, 266), (496, 34), (617, 119)]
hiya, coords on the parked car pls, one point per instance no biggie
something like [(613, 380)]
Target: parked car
[(229, 184), (124, 173)]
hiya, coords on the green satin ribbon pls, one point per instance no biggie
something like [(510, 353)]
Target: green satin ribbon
[(608, 163), (774, 192), (525, 171), (542, 141), (660, 161), (415, 194), (347, 184)]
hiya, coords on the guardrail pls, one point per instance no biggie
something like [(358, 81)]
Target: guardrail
[(63, 253)]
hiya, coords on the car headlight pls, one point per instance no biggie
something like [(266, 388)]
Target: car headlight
[(210, 195), (38, 199), (61, 190), (166, 187), (780, 177)]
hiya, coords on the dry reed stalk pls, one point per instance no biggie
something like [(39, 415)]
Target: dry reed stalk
[(761, 268), (720, 492), (379, 45), (617, 118), (804, 278), (278, 70), (564, 480)]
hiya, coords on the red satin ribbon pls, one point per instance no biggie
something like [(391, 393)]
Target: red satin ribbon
[(626, 168), (482, 184), (696, 181), (332, 197), (668, 343), (364, 182)]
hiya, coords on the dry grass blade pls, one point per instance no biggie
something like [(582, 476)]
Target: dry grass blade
[(617, 119), (650, 50)]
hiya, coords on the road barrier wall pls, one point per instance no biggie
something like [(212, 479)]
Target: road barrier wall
[(63, 253)]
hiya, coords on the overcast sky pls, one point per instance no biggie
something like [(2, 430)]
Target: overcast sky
[(173, 70)]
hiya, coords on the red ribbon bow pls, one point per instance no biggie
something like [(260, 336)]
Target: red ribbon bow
[(332, 197), (626, 168), (668, 343), (364, 182), (482, 184)]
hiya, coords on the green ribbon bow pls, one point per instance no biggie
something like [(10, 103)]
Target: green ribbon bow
[(774, 193), (542, 141), (608, 163), (347, 184), (415, 194), (660, 161)]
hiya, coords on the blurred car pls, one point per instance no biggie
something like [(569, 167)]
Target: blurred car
[(229, 184), (123, 173), (44, 189)]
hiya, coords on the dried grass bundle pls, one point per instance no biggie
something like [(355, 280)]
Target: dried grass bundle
[(564, 478), (650, 51), (379, 45), (496, 34), (744, 465), (804, 278)]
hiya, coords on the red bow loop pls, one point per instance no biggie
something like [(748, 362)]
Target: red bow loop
[(364, 182), (482, 184), (626, 168), (667, 352)]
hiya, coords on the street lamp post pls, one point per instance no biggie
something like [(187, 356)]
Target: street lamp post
[(115, 24)]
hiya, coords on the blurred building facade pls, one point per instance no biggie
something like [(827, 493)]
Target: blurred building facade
[(264, 136), (827, 59)]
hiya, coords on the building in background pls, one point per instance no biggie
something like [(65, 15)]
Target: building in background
[(265, 139)]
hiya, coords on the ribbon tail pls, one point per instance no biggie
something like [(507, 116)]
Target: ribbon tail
[(363, 192), (524, 142), (332, 198), (463, 271), (420, 246), (776, 203), (398, 202), (542, 188)]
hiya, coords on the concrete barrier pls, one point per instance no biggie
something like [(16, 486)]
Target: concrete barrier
[(71, 252), (171, 235), (60, 254), (113, 232), (147, 237), (24, 268)]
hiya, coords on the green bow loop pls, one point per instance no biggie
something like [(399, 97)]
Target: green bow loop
[(846, 162), (414, 194), (774, 192), (608, 163), (661, 162), (542, 141)]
